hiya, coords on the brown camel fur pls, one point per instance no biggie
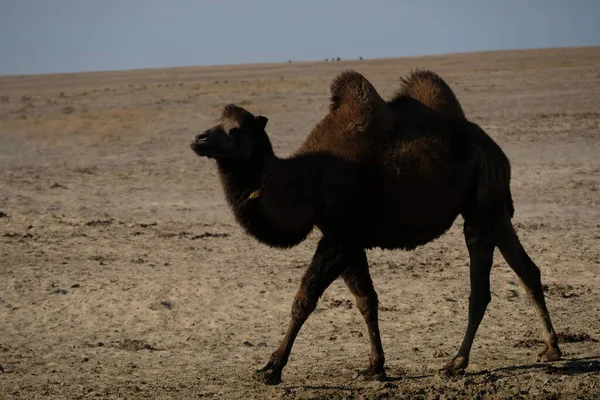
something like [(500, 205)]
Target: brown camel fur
[(393, 175), (430, 89)]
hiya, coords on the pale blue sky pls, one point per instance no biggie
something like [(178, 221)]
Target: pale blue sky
[(46, 36)]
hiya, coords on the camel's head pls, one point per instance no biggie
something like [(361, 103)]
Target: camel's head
[(237, 135)]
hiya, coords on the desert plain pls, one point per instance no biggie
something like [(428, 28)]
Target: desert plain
[(124, 275)]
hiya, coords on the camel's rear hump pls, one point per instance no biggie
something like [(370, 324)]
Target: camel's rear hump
[(430, 89)]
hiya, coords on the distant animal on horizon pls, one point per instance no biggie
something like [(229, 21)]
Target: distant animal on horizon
[(373, 173)]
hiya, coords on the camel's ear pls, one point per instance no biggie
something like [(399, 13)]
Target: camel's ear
[(261, 121)]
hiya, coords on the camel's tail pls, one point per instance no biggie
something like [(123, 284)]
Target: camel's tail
[(492, 179), (430, 89)]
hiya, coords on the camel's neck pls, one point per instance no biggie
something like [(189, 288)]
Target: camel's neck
[(270, 197), (241, 178)]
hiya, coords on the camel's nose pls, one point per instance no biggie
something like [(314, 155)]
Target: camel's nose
[(202, 137)]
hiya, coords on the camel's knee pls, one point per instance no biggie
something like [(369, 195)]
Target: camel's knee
[(302, 307), (532, 276), (482, 299), (367, 304)]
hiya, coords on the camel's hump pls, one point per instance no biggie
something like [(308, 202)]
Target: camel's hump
[(430, 89), (357, 115), (355, 101), (351, 87)]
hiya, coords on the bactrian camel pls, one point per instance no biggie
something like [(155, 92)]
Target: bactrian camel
[(373, 173)]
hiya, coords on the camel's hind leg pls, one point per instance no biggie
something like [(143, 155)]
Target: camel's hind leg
[(359, 282), (481, 241), (480, 244), (518, 259)]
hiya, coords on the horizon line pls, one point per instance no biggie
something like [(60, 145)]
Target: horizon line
[(241, 64)]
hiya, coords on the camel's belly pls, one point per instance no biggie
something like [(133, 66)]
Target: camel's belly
[(387, 232), (392, 212)]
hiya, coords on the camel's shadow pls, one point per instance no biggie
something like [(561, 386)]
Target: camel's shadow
[(572, 366)]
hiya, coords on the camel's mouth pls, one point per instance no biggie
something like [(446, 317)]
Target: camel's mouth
[(213, 143), (202, 147), (202, 144)]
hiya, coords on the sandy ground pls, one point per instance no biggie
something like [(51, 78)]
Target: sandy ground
[(124, 275)]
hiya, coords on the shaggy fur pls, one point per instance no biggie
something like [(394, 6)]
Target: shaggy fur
[(430, 89), (372, 173)]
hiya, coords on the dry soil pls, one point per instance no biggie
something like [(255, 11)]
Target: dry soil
[(124, 275)]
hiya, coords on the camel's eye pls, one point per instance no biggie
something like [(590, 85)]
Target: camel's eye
[(234, 132)]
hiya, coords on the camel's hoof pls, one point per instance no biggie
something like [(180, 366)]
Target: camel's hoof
[(550, 353), (455, 367), (268, 376), (370, 375)]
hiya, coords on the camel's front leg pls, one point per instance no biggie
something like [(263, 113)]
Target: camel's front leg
[(327, 264), (359, 282)]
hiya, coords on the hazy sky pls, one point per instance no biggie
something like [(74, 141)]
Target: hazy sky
[(45, 36)]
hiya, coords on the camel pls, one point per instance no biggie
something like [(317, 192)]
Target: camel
[(374, 173)]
